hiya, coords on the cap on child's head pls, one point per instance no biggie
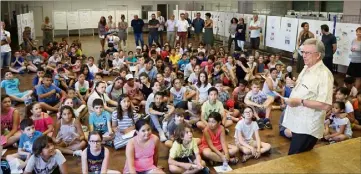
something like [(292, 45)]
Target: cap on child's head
[(138, 48), (129, 76), (230, 103), (289, 69)]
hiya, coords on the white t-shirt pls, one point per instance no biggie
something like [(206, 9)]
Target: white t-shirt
[(5, 48), (182, 25), (348, 107), (246, 130), (53, 61), (117, 63), (193, 79), (94, 95), (178, 95), (188, 70), (93, 69), (337, 122), (150, 99), (82, 87), (39, 166), (203, 92), (255, 33)]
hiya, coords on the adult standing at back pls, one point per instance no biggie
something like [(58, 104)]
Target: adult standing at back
[(5, 47), (137, 25), (161, 20), (186, 17), (208, 32), (309, 99), (102, 31), (232, 33), (122, 33), (198, 25), (47, 28), (304, 35), (153, 26), (112, 26), (255, 27), (241, 34), (354, 68), (182, 30), (329, 40), (171, 34)]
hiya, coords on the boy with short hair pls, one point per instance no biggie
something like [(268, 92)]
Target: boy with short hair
[(342, 95), (11, 86), (160, 111), (261, 103), (349, 83), (188, 69), (100, 120), (92, 67), (27, 138), (182, 64), (49, 94)]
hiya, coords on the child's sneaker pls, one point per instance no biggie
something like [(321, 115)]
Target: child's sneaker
[(162, 137), (164, 126), (77, 153), (268, 125), (260, 124)]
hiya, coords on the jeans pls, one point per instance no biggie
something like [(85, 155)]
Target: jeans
[(138, 37), (153, 37), (240, 44), (156, 122), (160, 34), (5, 59), (171, 37)]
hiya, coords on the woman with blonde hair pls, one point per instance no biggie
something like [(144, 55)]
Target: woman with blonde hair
[(47, 28)]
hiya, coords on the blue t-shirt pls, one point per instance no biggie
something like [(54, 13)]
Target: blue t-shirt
[(17, 64), (132, 59), (99, 122), (41, 89), (35, 80), (182, 64), (26, 142), (11, 86)]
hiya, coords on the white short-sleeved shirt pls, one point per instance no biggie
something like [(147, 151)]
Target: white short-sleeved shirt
[(171, 25), (337, 122), (182, 26), (348, 107), (203, 92), (150, 99), (316, 84), (188, 70), (246, 130), (82, 87), (93, 69), (193, 79), (117, 63), (39, 166), (5, 48), (94, 95), (255, 33)]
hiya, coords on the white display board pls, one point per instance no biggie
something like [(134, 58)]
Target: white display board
[(216, 22), (20, 29), (95, 17), (131, 14), (227, 23), (85, 19), (27, 20), (150, 15), (176, 14), (59, 20), (107, 13), (345, 34), (238, 15), (315, 26), (221, 23), (72, 18), (263, 20), (273, 29), (288, 34)]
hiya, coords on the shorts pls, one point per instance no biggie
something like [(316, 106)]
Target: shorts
[(255, 43), (21, 94), (283, 134), (260, 111), (182, 35)]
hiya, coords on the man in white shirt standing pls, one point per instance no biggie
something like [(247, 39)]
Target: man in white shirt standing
[(5, 47), (309, 100), (182, 30), (161, 20), (255, 27), (170, 24)]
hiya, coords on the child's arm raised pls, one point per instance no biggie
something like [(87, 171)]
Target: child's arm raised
[(84, 161), (105, 161)]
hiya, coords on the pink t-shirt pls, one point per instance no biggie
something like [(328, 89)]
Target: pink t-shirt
[(215, 138), (143, 156), (132, 91), (7, 121), (42, 123)]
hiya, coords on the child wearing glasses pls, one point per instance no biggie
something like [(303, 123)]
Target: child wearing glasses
[(95, 158)]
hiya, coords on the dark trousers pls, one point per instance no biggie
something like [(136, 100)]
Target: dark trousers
[(160, 34), (153, 37), (301, 143), (328, 63), (255, 43)]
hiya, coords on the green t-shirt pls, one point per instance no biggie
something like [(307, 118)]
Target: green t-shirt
[(207, 108), (179, 151)]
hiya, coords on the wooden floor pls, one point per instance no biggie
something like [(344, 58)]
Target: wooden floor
[(280, 145), (343, 157)]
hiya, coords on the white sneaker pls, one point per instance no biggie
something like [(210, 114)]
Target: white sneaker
[(77, 153), (162, 137), (164, 126)]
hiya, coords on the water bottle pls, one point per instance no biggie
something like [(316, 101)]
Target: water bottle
[(225, 165)]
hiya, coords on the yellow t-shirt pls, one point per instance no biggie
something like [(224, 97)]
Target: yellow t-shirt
[(174, 59), (179, 151)]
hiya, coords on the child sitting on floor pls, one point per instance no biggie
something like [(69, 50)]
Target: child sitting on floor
[(42, 121), (11, 85), (247, 136), (17, 64), (100, 120)]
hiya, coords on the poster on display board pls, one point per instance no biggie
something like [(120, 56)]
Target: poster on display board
[(27, 20), (73, 20), (273, 29), (221, 22), (95, 18), (315, 26), (85, 19), (227, 23), (59, 20), (345, 34), (216, 22), (131, 14), (20, 29), (107, 13), (287, 36)]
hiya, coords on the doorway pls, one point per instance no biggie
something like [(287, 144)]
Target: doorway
[(38, 19), (163, 10)]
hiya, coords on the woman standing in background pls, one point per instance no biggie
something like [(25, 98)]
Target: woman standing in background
[(302, 37), (111, 25), (232, 33), (122, 34), (241, 34), (47, 28), (354, 67), (102, 31), (208, 32)]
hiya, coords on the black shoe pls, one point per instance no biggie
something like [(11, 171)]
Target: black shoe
[(268, 125), (260, 124)]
